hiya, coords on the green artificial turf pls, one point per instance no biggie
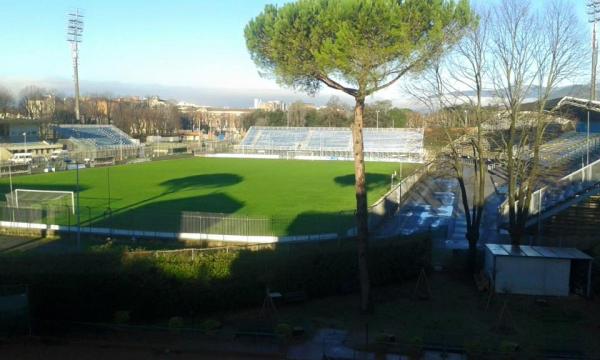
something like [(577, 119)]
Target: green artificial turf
[(299, 196)]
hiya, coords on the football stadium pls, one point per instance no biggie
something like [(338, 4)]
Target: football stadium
[(363, 180), (256, 192)]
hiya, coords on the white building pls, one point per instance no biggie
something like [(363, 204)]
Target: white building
[(272, 105), (538, 270)]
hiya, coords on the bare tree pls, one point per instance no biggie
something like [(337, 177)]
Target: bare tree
[(530, 50), (31, 100), (447, 90), (109, 101), (335, 113), (296, 114), (7, 100), (469, 69)]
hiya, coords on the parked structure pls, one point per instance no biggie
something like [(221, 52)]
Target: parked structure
[(538, 270)]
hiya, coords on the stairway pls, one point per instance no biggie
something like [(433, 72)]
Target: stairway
[(458, 240)]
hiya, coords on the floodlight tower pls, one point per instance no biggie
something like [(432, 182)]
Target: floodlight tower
[(74, 33), (594, 16)]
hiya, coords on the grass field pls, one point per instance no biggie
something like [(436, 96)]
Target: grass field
[(300, 196)]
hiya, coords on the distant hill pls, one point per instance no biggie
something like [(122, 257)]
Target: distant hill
[(244, 98), (576, 90), (232, 98)]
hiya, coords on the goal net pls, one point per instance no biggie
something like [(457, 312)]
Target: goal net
[(29, 198)]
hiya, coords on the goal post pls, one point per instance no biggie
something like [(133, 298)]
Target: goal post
[(31, 197)]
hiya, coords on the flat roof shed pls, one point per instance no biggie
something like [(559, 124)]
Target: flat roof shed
[(538, 270)]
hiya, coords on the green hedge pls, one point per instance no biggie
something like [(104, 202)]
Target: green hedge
[(93, 286)]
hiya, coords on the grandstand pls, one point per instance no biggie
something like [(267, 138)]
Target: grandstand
[(97, 142), (317, 143), (100, 135), (567, 148), (561, 156)]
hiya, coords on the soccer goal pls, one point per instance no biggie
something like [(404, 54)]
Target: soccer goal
[(35, 198)]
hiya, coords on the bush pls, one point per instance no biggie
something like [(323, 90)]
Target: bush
[(175, 323), (121, 317), (209, 325), (385, 338), (283, 330), (94, 286), (508, 347), (474, 348), (415, 348)]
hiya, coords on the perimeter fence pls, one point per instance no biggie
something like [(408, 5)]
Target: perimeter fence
[(93, 156), (14, 310), (152, 222)]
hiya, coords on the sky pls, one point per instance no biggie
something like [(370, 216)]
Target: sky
[(186, 43)]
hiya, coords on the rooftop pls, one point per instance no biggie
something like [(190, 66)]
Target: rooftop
[(537, 251)]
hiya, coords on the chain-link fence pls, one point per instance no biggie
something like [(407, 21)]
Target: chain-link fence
[(92, 156), (149, 222)]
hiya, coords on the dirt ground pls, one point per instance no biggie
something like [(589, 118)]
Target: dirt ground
[(454, 313), (137, 347)]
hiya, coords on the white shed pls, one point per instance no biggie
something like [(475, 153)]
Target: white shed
[(537, 270)]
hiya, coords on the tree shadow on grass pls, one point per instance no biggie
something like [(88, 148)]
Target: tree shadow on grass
[(205, 181), (373, 180), (183, 184), (308, 223), (166, 215)]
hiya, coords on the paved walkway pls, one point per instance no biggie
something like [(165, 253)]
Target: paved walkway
[(330, 344), (434, 206)]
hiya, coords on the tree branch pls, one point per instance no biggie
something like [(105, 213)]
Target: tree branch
[(335, 85), (398, 76)]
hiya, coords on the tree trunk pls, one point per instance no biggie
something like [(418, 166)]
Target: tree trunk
[(362, 225)]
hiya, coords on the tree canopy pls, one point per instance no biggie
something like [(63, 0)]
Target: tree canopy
[(356, 46)]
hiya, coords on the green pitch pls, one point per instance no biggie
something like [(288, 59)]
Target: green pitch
[(300, 196)]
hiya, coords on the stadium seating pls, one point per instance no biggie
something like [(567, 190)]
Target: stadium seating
[(100, 135), (568, 147), (408, 141)]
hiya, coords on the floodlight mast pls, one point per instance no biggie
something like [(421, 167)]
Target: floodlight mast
[(74, 34), (594, 16)]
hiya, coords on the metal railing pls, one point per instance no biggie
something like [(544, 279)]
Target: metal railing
[(226, 224), (566, 188), (388, 204)]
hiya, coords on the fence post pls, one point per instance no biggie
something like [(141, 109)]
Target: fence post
[(89, 221), (69, 222)]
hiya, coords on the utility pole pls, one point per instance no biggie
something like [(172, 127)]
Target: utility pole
[(377, 112), (74, 33), (78, 212), (594, 16)]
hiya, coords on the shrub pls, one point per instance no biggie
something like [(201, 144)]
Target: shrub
[(474, 348), (415, 347), (175, 323), (94, 286), (384, 338), (508, 347), (121, 317), (283, 330), (210, 325)]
